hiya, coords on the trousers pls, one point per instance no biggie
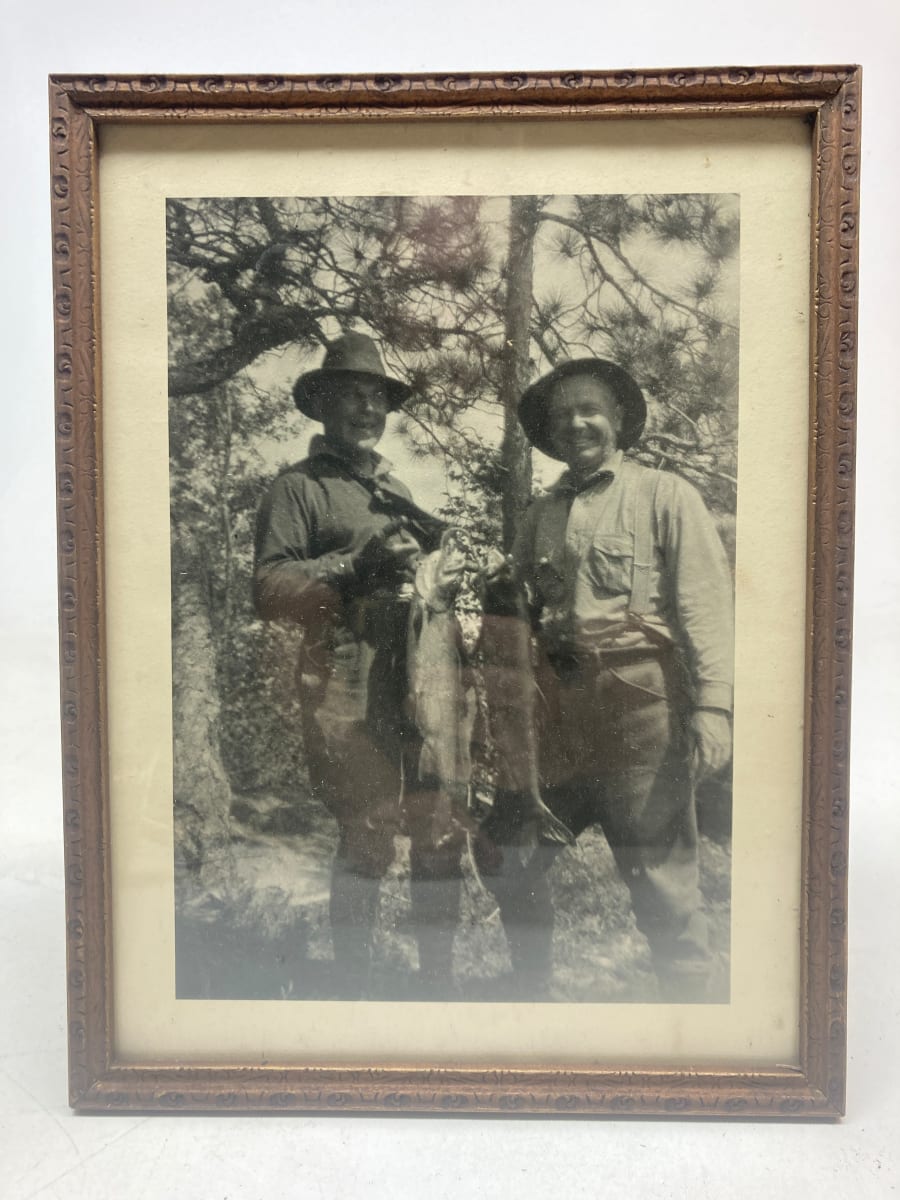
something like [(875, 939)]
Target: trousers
[(614, 752), (361, 753)]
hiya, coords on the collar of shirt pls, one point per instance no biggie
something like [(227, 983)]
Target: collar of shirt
[(568, 486), (380, 467)]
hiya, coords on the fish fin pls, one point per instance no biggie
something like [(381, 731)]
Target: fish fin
[(551, 831)]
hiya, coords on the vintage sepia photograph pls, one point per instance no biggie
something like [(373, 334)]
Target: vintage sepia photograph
[(455, 615), (453, 485)]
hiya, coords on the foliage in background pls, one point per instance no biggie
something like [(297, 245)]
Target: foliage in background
[(648, 281)]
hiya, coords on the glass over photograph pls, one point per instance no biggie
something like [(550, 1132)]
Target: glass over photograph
[(453, 484)]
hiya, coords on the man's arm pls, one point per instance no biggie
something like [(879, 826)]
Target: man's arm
[(292, 581), (703, 598), (289, 581)]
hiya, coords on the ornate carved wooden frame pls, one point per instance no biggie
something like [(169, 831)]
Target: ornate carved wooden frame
[(829, 98)]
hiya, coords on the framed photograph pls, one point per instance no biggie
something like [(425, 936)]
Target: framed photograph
[(455, 483)]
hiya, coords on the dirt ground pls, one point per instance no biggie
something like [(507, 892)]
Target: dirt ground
[(270, 939)]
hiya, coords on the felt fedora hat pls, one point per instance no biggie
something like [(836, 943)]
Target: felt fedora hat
[(350, 354), (535, 402)]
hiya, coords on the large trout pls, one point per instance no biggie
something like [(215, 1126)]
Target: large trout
[(519, 815), (441, 698)]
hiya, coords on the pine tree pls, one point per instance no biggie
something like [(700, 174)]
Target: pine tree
[(469, 299)]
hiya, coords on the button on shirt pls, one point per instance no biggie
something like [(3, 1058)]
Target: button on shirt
[(576, 554)]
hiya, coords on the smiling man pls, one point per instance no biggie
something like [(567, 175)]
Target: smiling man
[(631, 596), (338, 538)]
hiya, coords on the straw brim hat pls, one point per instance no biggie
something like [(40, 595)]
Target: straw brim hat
[(534, 405)]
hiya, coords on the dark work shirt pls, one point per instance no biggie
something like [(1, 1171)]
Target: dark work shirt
[(314, 517)]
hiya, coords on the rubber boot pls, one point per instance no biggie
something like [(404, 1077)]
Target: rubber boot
[(352, 909), (434, 907), (526, 910)]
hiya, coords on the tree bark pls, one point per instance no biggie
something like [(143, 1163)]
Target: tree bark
[(515, 450), (203, 848), (223, 498)]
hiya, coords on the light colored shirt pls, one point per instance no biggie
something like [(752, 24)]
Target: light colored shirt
[(575, 553)]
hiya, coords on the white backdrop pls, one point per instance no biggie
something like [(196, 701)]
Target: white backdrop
[(49, 1153)]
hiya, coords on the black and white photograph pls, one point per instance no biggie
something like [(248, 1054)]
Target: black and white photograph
[(453, 484), (408, 842)]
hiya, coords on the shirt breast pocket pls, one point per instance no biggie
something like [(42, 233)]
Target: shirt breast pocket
[(610, 563)]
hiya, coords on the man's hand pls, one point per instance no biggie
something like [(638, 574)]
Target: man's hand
[(387, 557), (711, 733), (451, 564)]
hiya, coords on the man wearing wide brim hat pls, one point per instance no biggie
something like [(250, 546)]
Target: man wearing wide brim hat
[(534, 406), (632, 599), (338, 537), (352, 355)]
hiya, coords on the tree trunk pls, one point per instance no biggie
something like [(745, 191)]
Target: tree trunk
[(515, 450), (225, 414), (203, 852)]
